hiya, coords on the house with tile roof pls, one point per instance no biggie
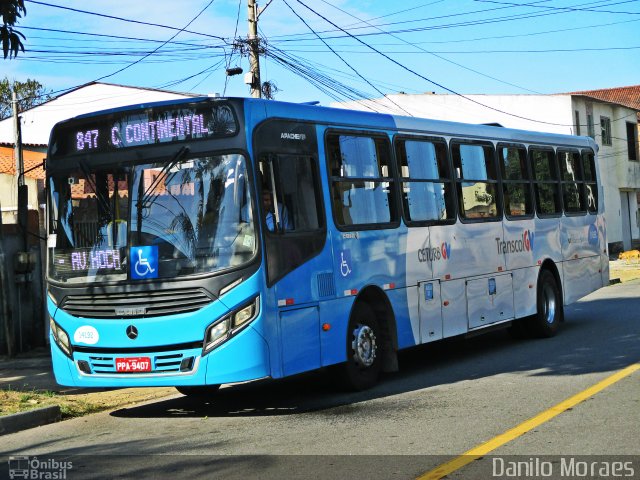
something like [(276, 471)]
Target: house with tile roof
[(36, 124), (610, 116)]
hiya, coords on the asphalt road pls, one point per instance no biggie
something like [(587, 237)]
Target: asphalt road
[(448, 398)]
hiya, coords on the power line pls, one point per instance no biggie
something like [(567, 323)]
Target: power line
[(102, 35), (522, 16), (342, 59), (477, 52), (561, 8), (428, 79), (179, 30)]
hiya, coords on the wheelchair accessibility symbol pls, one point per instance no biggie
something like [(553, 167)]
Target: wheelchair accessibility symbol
[(144, 262), (345, 261)]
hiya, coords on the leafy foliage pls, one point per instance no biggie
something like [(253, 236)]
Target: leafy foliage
[(30, 94), (11, 11)]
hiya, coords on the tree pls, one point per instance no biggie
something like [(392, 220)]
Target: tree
[(30, 94), (11, 11)]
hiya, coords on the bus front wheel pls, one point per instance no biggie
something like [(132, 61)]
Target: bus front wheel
[(364, 350), (201, 391), (549, 307)]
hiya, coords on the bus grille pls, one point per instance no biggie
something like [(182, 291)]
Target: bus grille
[(136, 305), (160, 363)]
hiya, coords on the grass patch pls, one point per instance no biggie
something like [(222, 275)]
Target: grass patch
[(77, 404), (14, 401)]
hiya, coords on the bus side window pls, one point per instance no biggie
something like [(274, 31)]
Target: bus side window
[(590, 178), (516, 186), (572, 179), (476, 179), (546, 181), (361, 180), (425, 180)]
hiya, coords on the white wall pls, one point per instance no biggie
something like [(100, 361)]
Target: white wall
[(38, 121), (543, 113), (617, 172), (9, 197)]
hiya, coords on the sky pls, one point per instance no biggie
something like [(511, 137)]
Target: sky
[(334, 50)]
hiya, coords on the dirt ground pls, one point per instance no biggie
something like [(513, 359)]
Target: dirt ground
[(78, 404)]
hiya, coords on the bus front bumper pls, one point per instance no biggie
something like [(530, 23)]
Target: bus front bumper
[(242, 358)]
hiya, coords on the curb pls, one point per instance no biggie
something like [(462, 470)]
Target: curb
[(29, 419)]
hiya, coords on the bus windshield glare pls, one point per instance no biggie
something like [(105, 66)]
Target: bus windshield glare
[(154, 220)]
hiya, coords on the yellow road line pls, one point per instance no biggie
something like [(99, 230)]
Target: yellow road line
[(486, 447)]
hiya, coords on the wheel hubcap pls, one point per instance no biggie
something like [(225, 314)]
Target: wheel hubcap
[(364, 346), (549, 304)]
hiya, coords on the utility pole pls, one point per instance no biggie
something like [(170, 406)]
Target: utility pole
[(4, 294), (254, 50), (17, 136)]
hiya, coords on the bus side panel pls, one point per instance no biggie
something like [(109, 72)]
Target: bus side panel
[(520, 240), (300, 334), (524, 291), (547, 240), (581, 277), (454, 308), (333, 346)]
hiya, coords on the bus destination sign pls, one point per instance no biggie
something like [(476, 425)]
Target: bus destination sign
[(146, 127)]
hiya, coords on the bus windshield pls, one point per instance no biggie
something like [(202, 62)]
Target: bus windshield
[(154, 220)]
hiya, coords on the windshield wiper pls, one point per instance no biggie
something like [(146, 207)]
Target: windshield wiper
[(161, 176), (82, 165)]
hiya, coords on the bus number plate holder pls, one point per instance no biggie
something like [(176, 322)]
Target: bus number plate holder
[(133, 364)]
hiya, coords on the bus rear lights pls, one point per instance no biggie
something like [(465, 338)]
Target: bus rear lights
[(222, 330), (61, 338)]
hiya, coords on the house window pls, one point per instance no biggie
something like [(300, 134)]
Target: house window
[(577, 121), (590, 128), (632, 141), (605, 130)]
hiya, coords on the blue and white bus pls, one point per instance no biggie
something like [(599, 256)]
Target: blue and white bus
[(208, 241)]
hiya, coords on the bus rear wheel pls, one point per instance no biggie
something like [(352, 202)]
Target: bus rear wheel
[(200, 391), (364, 350), (550, 312)]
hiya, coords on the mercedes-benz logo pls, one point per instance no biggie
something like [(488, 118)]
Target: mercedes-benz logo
[(132, 332)]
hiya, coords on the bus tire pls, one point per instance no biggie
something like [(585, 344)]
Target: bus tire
[(200, 391), (545, 322), (364, 350)]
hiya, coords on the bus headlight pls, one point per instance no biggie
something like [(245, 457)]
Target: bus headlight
[(246, 314), (61, 338), (216, 334), (224, 329)]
